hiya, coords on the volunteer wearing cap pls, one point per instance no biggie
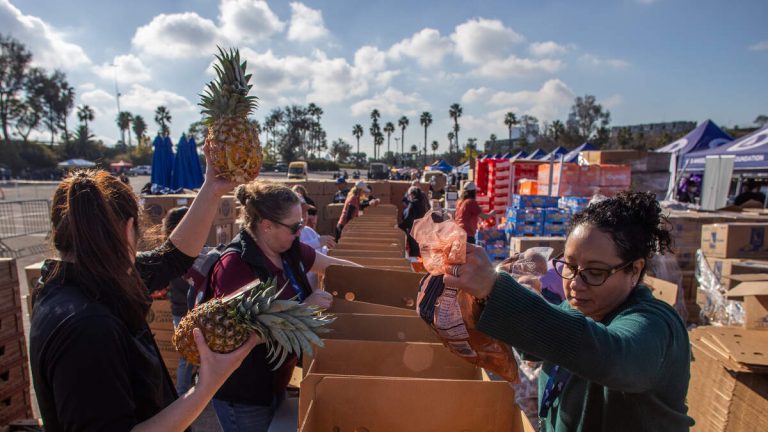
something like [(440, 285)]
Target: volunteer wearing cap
[(341, 190), (356, 200), (615, 358), (468, 212)]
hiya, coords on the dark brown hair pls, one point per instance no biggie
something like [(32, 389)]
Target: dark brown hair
[(264, 201), (88, 216)]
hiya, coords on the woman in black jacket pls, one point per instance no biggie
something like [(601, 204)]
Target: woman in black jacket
[(415, 209), (95, 365)]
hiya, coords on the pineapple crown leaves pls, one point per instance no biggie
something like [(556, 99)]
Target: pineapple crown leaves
[(227, 95)]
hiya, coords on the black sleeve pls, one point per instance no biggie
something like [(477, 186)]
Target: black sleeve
[(86, 362), (161, 265)]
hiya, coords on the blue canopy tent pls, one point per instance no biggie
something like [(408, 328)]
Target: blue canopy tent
[(197, 169), (441, 165), (751, 152), (555, 154), (573, 155), (522, 154), (162, 161), (706, 136), (186, 166), (536, 154), (506, 155)]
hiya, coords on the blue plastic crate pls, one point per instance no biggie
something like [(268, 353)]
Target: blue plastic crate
[(529, 214), (537, 201), (575, 204), (555, 229), (524, 229), (556, 215)]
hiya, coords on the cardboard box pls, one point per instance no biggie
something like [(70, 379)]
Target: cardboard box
[(522, 244), (354, 403), (8, 272), (368, 262), (610, 156), (160, 316), (384, 328), (728, 389), (157, 206), (755, 297), (385, 287), (615, 175), (662, 290), (346, 253), (735, 240), (651, 162), (341, 306), (220, 234)]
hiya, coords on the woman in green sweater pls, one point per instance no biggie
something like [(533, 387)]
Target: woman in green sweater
[(615, 358)]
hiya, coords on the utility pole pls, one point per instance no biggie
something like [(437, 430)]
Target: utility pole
[(397, 140), (117, 98)]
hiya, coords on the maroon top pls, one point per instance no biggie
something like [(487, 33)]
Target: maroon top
[(468, 215)]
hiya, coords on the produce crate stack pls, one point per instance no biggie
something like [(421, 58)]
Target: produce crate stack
[(573, 204), (160, 322), (528, 215), (494, 241), (224, 226), (14, 370), (570, 179), (499, 184)]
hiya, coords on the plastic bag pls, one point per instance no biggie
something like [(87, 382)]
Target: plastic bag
[(453, 315), (716, 308), (528, 267), (442, 242)]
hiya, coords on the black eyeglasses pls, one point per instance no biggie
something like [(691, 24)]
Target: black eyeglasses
[(590, 276), (293, 228)]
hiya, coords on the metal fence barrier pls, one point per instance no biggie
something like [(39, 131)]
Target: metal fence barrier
[(23, 218)]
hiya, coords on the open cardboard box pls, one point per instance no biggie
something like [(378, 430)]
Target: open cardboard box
[(344, 253), (358, 403), (385, 328), (385, 287), (661, 289), (373, 240), (755, 297), (369, 262), (341, 306), (377, 246)]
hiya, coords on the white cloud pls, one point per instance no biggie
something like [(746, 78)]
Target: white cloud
[(613, 101), (49, 47), (369, 59), (248, 20), (427, 47), (334, 80), (141, 98), (476, 95), (127, 68), (384, 78), (515, 66), (306, 23), (480, 40), (595, 61), (549, 48), (177, 36), (547, 103), (391, 102), (96, 97), (760, 46)]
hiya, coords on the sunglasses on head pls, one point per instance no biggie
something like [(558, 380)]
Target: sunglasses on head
[(293, 228)]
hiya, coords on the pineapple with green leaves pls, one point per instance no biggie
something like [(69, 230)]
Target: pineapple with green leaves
[(233, 141), (287, 326)]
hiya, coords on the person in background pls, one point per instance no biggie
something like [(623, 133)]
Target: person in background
[(269, 246), (311, 216), (95, 365), (468, 212), (310, 237), (341, 190), (615, 358), (415, 209), (689, 193), (750, 192), (357, 199), (179, 289)]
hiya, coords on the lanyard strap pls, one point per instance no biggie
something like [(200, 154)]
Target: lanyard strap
[(555, 384), (288, 272)]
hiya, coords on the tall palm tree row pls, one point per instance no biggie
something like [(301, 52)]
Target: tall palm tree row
[(163, 119), (139, 127), (435, 146), (389, 128), (425, 120), (403, 123), (374, 129), (510, 120), (124, 119), (85, 115), (455, 111), (357, 131)]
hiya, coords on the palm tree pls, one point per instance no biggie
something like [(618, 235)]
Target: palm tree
[(85, 114), (435, 145), (455, 111), (510, 119), (403, 123), (450, 136), (139, 127), (389, 128), (357, 131), (316, 112), (492, 139), (163, 118), (374, 130), (557, 129), (378, 141), (124, 119), (425, 120), (375, 115)]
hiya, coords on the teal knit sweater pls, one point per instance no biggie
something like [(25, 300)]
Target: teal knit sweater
[(630, 371)]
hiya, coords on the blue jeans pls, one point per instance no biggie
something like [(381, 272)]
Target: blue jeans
[(236, 417), (184, 370)]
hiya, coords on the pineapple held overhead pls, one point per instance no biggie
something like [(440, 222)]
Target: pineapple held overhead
[(232, 140), (287, 326)]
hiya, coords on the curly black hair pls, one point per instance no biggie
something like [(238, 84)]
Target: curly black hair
[(635, 222)]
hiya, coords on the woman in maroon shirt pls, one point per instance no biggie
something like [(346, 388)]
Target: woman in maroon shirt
[(268, 246), (468, 212)]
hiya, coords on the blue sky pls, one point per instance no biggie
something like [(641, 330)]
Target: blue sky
[(646, 60)]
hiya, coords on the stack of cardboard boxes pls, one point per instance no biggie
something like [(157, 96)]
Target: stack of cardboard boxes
[(160, 322), (14, 370), (224, 227)]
